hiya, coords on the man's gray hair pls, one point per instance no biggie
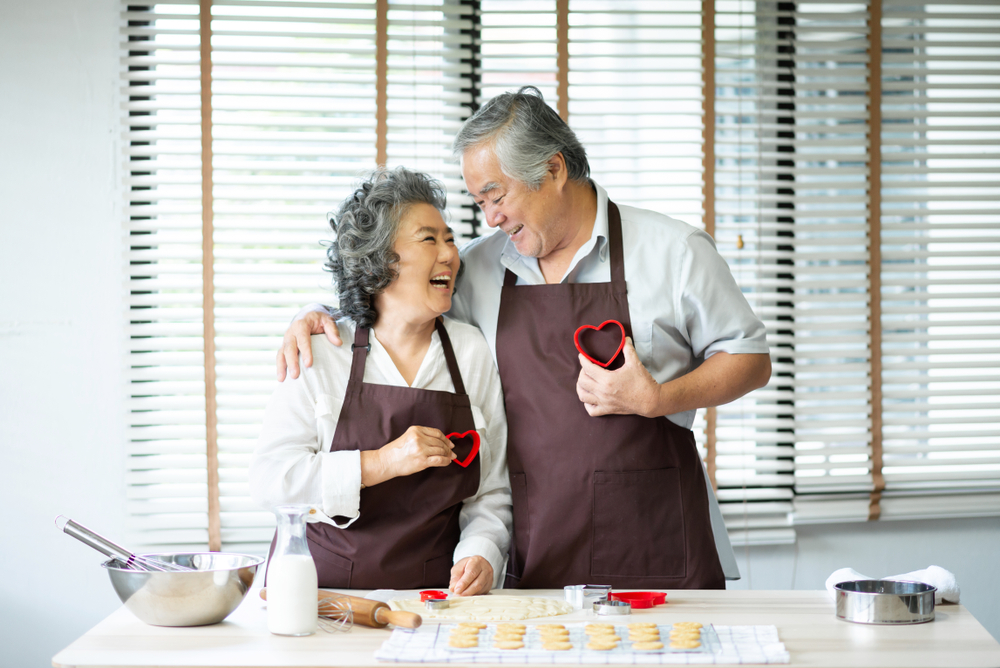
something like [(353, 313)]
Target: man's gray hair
[(361, 257), (524, 133)]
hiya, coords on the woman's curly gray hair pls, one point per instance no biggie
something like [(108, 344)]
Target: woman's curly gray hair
[(361, 257)]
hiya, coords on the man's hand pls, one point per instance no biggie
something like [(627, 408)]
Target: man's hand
[(471, 576), (628, 390), (297, 341)]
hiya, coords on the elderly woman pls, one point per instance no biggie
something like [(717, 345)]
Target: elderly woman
[(398, 441)]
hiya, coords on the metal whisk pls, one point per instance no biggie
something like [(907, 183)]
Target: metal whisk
[(125, 558), (335, 614)]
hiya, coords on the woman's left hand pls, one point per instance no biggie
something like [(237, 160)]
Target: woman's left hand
[(471, 576)]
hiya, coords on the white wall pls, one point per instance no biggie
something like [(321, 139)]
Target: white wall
[(61, 342), (61, 404)]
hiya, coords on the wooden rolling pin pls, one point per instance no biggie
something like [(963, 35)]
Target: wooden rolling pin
[(367, 612)]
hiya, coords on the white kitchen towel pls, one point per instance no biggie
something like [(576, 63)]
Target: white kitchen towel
[(947, 586)]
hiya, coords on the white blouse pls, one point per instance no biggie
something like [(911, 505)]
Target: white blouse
[(293, 463)]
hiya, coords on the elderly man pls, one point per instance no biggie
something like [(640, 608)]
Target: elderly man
[(606, 482)]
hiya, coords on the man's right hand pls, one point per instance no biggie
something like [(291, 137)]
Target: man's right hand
[(297, 341)]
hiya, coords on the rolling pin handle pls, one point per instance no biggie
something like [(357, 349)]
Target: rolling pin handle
[(400, 618)]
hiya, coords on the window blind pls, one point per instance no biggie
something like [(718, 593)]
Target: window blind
[(754, 450), (432, 62), (293, 113), (790, 218), (166, 473), (635, 100), (295, 119), (519, 47), (294, 127), (941, 258)]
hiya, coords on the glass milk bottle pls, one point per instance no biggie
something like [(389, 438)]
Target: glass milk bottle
[(291, 576)]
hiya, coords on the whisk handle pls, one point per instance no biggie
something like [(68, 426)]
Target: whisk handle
[(94, 540)]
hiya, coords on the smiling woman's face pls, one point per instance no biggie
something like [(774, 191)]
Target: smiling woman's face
[(428, 265)]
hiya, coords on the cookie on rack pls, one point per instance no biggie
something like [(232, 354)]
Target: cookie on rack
[(462, 642)]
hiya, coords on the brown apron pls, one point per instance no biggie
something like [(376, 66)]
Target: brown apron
[(619, 499), (406, 534)]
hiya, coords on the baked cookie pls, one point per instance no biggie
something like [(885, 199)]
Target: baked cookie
[(648, 645), (465, 636), (684, 644), (599, 627), (508, 644), (461, 642)]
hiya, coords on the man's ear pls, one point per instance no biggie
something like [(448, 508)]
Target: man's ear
[(557, 169)]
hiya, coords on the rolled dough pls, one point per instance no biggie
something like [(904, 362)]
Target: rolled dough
[(487, 608)]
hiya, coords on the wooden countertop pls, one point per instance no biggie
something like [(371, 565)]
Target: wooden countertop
[(805, 620)]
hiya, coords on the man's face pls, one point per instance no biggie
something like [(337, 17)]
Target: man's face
[(524, 215)]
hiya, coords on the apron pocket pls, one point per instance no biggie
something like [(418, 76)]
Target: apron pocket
[(332, 569), (437, 571), (638, 524), (519, 539)]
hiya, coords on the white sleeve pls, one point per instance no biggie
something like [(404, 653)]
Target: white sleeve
[(290, 464), (716, 315), (486, 518)]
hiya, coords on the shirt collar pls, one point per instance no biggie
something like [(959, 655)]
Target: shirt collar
[(520, 265)]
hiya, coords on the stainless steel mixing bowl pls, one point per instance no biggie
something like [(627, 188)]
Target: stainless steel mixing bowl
[(206, 595), (885, 602)]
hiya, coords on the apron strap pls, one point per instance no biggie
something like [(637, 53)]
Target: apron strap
[(449, 356), (362, 346), (509, 279), (615, 244), (616, 254)]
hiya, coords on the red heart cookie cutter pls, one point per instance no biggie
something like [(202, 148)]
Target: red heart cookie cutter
[(576, 340), (475, 447)]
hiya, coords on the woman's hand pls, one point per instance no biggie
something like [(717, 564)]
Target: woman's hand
[(471, 576), (417, 449)]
